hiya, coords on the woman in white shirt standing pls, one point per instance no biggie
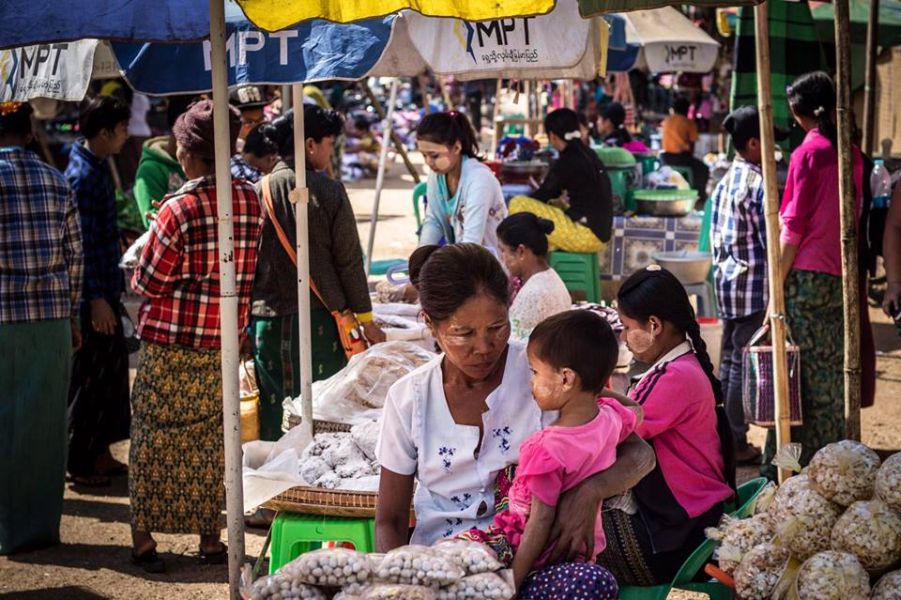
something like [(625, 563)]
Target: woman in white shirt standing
[(524, 246), (465, 201), (454, 426)]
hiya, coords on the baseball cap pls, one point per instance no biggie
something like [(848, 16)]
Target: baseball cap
[(246, 97)]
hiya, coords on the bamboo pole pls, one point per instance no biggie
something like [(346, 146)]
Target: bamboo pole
[(496, 117), (301, 201), (774, 265), (398, 143), (869, 88), (848, 220), (228, 302)]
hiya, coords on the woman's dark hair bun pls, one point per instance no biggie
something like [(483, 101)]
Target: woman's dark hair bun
[(547, 226), (417, 260)]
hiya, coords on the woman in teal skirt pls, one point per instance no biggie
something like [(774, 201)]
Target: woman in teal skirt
[(336, 267)]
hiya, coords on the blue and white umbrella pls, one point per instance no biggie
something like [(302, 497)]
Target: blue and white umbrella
[(311, 51)]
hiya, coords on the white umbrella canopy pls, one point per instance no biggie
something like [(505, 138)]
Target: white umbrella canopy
[(559, 45), (670, 42)]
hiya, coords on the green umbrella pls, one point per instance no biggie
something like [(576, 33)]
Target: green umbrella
[(889, 33), (590, 8)]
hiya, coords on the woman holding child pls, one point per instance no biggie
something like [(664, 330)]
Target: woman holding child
[(458, 425)]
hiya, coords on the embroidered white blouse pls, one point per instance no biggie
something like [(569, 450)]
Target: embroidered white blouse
[(542, 296), (419, 437)]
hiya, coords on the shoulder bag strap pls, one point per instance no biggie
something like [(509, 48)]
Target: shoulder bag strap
[(282, 237)]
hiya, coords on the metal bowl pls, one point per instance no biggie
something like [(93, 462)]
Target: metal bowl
[(688, 267), (665, 203)]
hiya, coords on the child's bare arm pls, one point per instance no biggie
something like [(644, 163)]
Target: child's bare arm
[(625, 401), (534, 539)]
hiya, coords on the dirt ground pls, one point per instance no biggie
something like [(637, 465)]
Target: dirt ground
[(92, 561)]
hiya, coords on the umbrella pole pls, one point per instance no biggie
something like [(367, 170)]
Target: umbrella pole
[(496, 116), (387, 131), (302, 223), (846, 195), (771, 210), (869, 88), (228, 302), (398, 143)]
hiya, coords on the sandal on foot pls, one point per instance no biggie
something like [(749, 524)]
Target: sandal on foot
[(149, 560), (219, 557)]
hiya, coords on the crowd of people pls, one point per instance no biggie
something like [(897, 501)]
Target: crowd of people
[(511, 437)]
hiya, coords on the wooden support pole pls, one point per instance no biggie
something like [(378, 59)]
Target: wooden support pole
[(869, 87), (771, 210), (846, 193)]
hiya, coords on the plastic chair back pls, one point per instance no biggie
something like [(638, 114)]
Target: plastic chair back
[(419, 193)]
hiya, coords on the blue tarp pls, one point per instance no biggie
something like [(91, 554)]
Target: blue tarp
[(312, 51), (26, 22)]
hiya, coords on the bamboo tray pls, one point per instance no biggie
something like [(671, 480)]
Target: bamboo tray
[(328, 503)]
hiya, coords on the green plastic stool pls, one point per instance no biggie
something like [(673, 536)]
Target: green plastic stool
[(580, 272), (648, 163), (621, 186), (293, 534)]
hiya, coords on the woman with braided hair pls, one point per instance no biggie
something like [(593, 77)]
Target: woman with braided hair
[(684, 422)]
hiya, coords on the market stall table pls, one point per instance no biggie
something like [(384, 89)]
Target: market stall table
[(635, 239)]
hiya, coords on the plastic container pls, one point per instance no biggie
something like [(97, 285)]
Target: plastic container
[(881, 185)]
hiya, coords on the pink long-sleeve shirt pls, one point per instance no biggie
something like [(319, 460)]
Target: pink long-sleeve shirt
[(810, 204)]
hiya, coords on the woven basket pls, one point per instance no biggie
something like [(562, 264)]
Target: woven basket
[(291, 421), (329, 503)]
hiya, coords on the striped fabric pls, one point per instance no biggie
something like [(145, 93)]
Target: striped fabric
[(739, 241), (41, 260), (589, 8), (795, 49)]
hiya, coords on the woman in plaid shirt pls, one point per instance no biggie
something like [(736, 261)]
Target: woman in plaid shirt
[(176, 458)]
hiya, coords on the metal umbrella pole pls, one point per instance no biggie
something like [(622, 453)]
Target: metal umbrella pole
[(387, 129), (771, 210), (228, 302), (301, 201), (848, 209)]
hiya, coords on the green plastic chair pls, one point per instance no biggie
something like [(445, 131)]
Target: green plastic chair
[(694, 564), (418, 194)]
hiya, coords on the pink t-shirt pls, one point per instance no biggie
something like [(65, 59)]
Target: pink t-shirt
[(810, 204), (680, 423), (557, 459)]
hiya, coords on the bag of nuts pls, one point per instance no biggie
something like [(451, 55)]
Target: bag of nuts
[(418, 565), (871, 531), (280, 587), (832, 576), (888, 587), (332, 567), (397, 591), (844, 472), (888, 481), (760, 570), (474, 557), (490, 586)]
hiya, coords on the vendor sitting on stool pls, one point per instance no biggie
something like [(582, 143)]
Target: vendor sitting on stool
[(585, 225), (679, 137)]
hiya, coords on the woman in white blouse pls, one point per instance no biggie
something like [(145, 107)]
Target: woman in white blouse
[(457, 422), (522, 239)]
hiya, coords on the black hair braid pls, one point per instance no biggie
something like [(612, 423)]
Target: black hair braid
[(727, 442)]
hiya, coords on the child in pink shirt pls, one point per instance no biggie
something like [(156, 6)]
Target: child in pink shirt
[(571, 355)]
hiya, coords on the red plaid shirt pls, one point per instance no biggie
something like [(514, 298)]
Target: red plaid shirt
[(179, 267)]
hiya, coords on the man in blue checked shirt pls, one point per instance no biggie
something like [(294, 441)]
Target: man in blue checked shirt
[(99, 394), (739, 263), (40, 282)]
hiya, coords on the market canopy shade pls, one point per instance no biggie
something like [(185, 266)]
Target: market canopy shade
[(27, 22), (559, 45), (312, 51), (888, 33), (273, 15), (60, 71), (589, 8)]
